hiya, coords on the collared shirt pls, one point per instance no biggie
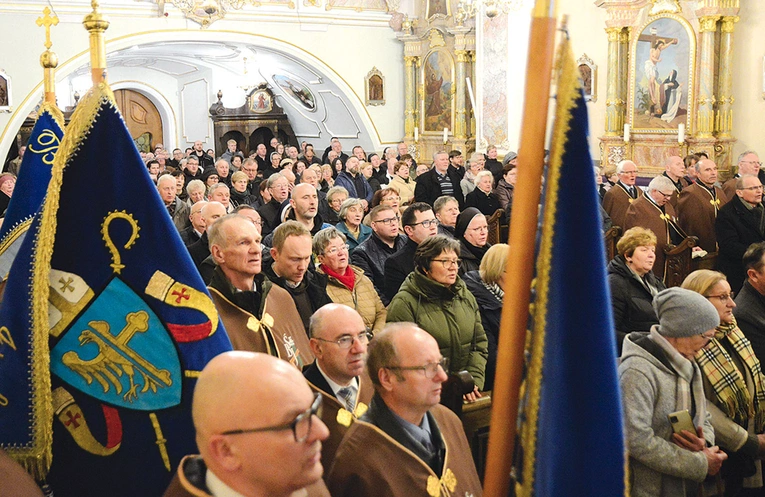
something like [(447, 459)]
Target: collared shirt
[(218, 488), (631, 190), (336, 386), (420, 433)]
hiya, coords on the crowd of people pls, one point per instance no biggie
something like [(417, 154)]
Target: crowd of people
[(690, 353)]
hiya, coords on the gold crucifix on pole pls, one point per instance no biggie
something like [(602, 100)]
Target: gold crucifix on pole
[(48, 59), (47, 21)]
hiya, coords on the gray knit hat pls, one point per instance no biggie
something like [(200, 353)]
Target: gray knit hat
[(683, 313), (508, 157)]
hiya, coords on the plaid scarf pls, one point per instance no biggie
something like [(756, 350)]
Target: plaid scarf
[(728, 382)]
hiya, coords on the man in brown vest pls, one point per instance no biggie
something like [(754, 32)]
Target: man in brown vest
[(698, 204), (655, 212), (748, 164), (406, 443), (258, 315), (339, 341), (618, 199), (674, 170), (257, 431)]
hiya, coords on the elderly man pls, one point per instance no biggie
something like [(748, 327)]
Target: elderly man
[(220, 192), (748, 164), (177, 208), (403, 149), (655, 212), (337, 148), (258, 315), (339, 341), (271, 213), (674, 170), (618, 199), (421, 442), (372, 253), (250, 168), (446, 209), (750, 301), (253, 452), (699, 203), (200, 249), (440, 180), (289, 267), (419, 223), (223, 169), (197, 228), (739, 224), (356, 184)]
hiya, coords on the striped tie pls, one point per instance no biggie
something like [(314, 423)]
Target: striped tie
[(349, 394)]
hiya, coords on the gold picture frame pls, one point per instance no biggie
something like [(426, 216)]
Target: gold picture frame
[(437, 102), (374, 87), (588, 73), (6, 95)]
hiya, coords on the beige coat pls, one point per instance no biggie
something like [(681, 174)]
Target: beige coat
[(363, 298)]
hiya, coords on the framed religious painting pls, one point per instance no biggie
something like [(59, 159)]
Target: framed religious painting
[(261, 101), (588, 74), (438, 102), (374, 85), (5, 92), (662, 93), (296, 90)]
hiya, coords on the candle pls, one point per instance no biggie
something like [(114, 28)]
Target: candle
[(681, 133), (416, 133), (626, 133), (446, 135)]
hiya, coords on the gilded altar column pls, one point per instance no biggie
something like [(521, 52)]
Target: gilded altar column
[(410, 91), (614, 97), (705, 113), (460, 123), (724, 123)]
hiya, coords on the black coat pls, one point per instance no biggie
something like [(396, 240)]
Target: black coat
[(750, 317), (491, 313), (630, 300), (487, 204), (199, 250), (428, 189), (397, 268), (189, 236), (495, 167), (736, 227), (270, 214), (371, 255)]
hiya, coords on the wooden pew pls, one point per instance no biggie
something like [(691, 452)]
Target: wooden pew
[(679, 262)]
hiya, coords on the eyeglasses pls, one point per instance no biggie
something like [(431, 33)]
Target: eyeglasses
[(335, 250), (724, 297), (346, 341), (665, 195), (757, 188), (387, 221), (337, 201), (448, 263), (759, 164), (429, 370), (300, 426), (391, 198), (426, 223)]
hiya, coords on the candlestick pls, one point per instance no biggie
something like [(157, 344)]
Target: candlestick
[(681, 133), (416, 133), (446, 135), (626, 133)]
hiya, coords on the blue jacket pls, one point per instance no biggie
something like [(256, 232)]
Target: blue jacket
[(345, 180)]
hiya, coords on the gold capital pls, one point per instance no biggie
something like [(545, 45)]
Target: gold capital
[(47, 21), (613, 33), (708, 23), (727, 23), (462, 55)]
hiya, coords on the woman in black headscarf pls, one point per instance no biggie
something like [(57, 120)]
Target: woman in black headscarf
[(472, 231)]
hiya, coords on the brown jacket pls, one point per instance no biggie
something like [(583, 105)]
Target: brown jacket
[(280, 330), (390, 469), (189, 481), (697, 211), (644, 213), (363, 298), (617, 201)]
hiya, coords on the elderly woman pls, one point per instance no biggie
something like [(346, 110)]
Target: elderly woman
[(472, 232), (347, 284), (488, 287), (402, 182), (351, 214), (633, 285), (734, 386), (335, 198), (195, 191), (434, 297), (660, 379), (327, 178), (482, 198), (467, 183), (7, 184), (506, 187), (240, 195)]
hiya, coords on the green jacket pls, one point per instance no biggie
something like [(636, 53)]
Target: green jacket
[(450, 314)]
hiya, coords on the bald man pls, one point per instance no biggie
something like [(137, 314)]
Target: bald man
[(197, 227), (257, 431), (259, 316), (339, 341), (406, 443), (177, 208), (200, 249)]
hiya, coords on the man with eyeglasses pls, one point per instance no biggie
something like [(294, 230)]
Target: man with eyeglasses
[(258, 315), (750, 301), (406, 443), (419, 223), (197, 227), (655, 212), (739, 224), (339, 341), (618, 199), (278, 187), (253, 452), (698, 205), (748, 163), (385, 241)]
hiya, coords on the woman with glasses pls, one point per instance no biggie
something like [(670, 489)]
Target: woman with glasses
[(734, 386), (402, 182), (347, 284), (633, 284), (472, 232), (351, 214), (436, 298), (335, 198), (387, 197)]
